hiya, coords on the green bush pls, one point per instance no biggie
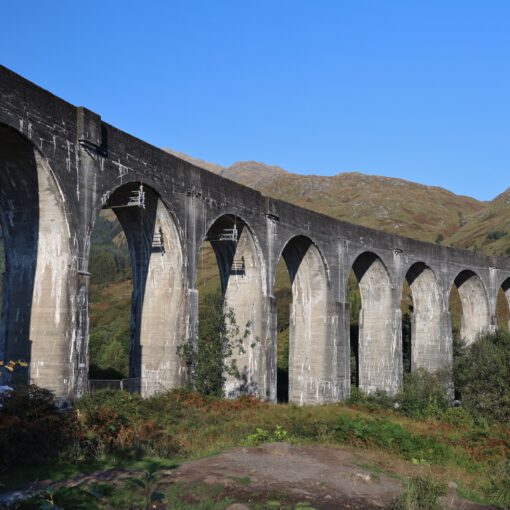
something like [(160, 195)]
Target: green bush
[(389, 436), (424, 394), (482, 376), (421, 493), (494, 235), (266, 436), (32, 430), (377, 400), (114, 423), (458, 416), (213, 358)]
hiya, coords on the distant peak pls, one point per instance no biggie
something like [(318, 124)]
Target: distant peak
[(257, 166)]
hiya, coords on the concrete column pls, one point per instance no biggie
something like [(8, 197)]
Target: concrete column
[(160, 300), (380, 328), (431, 347), (476, 316), (37, 323), (272, 330), (313, 327), (246, 295)]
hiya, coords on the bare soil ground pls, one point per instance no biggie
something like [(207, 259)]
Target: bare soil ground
[(324, 478)]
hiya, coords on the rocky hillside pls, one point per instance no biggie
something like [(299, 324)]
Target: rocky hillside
[(398, 206)]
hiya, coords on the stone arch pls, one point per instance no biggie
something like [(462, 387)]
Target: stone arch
[(379, 357), (159, 300), (430, 343), (312, 356), (475, 311), (36, 325), (243, 285)]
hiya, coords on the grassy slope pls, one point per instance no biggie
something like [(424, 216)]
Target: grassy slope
[(494, 218), (186, 426)]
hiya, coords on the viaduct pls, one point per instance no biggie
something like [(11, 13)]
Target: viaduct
[(61, 164)]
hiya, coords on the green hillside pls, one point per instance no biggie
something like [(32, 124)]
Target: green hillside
[(487, 230)]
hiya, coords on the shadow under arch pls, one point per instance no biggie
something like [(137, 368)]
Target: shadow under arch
[(312, 353), (243, 290), (379, 362), (36, 324), (475, 313), (159, 299), (503, 305), (431, 346)]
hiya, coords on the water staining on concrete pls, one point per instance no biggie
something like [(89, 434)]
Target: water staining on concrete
[(61, 164)]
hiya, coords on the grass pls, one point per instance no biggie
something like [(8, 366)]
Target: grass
[(187, 426), (20, 477), (177, 496), (421, 493)]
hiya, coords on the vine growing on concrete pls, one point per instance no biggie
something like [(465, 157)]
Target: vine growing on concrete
[(213, 356)]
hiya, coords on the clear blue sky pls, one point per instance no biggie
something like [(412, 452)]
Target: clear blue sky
[(411, 89)]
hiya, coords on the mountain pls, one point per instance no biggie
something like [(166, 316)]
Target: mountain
[(487, 230), (427, 213)]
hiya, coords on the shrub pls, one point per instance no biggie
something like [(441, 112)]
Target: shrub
[(32, 430), (458, 416), (494, 235), (212, 359), (377, 400), (112, 423), (421, 493), (424, 394), (266, 436), (385, 434), (482, 376)]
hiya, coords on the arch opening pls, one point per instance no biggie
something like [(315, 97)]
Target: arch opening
[(110, 292), (36, 298), (407, 309), (311, 347), (354, 303), (283, 294), (233, 288), (503, 305), (469, 307), (158, 299), (379, 367)]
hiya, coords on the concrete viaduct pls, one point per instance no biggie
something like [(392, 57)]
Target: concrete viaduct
[(60, 165)]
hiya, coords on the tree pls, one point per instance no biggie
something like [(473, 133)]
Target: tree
[(212, 359), (482, 375)]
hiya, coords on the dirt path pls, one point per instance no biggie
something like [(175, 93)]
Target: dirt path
[(328, 478), (325, 478)]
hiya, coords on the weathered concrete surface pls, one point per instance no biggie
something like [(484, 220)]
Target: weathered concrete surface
[(312, 360), (159, 299), (380, 333), (431, 330), (37, 291), (59, 165), (245, 291)]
